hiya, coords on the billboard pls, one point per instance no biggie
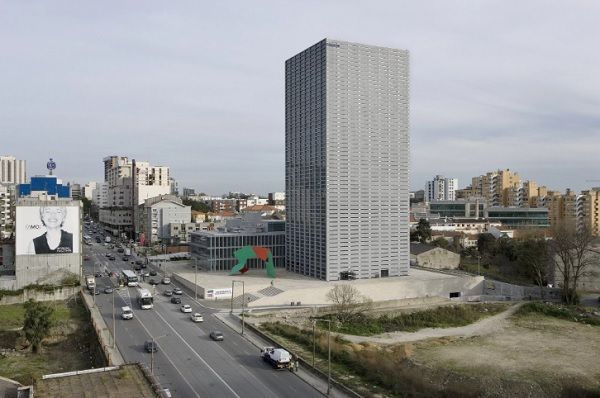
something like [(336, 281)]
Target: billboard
[(47, 230)]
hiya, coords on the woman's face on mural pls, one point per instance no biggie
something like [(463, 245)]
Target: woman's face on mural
[(53, 217)]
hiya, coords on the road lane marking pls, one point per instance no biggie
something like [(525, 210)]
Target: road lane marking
[(197, 355), (169, 359)]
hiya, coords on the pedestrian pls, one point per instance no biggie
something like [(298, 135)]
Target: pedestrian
[(296, 365)]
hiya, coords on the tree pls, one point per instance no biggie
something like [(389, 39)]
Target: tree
[(37, 323), (571, 254), (196, 205), (87, 205), (486, 244), (423, 230), (348, 302), (440, 242), (532, 257)]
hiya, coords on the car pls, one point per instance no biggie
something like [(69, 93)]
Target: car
[(177, 291), (196, 317), (168, 293), (86, 257), (98, 274), (176, 300), (126, 313), (108, 290), (150, 346), (153, 281), (108, 254), (216, 335), (97, 291), (143, 265), (139, 262), (166, 280), (112, 258), (120, 250), (153, 273), (125, 258), (136, 268), (186, 308)]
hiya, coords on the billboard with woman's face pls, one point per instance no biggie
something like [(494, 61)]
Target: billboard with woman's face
[(47, 230)]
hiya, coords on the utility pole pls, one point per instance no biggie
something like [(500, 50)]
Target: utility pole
[(329, 358), (314, 342), (243, 302), (195, 278), (232, 286), (114, 324)]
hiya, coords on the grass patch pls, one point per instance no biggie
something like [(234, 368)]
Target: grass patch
[(441, 317), (569, 313), (12, 316)]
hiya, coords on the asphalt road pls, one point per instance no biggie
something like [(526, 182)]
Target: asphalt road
[(188, 362)]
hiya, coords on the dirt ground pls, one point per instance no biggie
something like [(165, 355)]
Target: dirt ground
[(540, 353)]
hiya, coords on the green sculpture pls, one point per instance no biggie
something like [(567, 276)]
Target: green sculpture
[(249, 252)]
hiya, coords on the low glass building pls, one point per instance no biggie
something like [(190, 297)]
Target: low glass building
[(214, 250)]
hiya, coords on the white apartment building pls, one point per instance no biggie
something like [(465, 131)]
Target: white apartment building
[(7, 210), (12, 170), (158, 214), (88, 190), (441, 188)]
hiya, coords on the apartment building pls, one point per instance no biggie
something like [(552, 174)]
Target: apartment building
[(441, 188), (12, 170)]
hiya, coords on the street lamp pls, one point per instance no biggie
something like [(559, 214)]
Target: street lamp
[(114, 323), (328, 350), (243, 300), (196, 279), (152, 352)]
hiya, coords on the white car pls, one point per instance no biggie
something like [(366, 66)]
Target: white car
[(186, 308), (197, 317)]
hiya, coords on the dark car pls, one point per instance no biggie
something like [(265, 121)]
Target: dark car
[(112, 258), (98, 274), (153, 282), (168, 293), (176, 300), (139, 262), (143, 265), (150, 346), (137, 268), (125, 258), (153, 273), (120, 250), (108, 290), (177, 291), (216, 335)]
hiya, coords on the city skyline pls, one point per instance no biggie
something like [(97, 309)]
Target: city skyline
[(198, 89)]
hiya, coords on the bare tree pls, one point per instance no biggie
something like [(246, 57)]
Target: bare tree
[(571, 253), (532, 256), (348, 302)]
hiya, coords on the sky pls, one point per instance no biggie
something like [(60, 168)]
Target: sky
[(199, 85)]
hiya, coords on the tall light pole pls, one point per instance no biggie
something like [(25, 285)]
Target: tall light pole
[(195, 278), (314, 341), (114, 323), (152, 352), (243, 300), (328, 350)]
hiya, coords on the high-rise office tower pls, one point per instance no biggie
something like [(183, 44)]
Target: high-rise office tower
[(347, 161), (12, 170)]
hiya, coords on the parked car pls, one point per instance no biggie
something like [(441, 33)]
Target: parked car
[(168, 293), (166, 281), (153, 273), (176, 300), (196, 317), (152, 281), (186, 308), (86, 257), (150, 346), (108, 290), (98, 274), (216, 335), (112, 258), (139, 262), (177, 291)]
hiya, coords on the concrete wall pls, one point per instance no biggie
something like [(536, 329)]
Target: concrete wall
[(49, 268), (8, 283), (437, 258), (60, 293), (387, 289)]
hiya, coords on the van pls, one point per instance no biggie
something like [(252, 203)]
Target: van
[(126, 313)]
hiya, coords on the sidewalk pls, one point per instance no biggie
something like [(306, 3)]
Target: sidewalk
[(316, 382)]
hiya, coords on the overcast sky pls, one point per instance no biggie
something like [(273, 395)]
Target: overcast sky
[(198, 85)]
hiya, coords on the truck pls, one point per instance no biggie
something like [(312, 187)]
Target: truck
[(145, 299), (277, 357), (90, 282), (107, 239)]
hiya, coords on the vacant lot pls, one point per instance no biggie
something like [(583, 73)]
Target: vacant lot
[(530, 355), (71, 346)]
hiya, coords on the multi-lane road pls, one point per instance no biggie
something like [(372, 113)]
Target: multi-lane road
[(187, 362)]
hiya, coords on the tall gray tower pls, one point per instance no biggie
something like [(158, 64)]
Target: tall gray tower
[(347, 161)]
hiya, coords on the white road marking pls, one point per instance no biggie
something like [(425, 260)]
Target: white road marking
[(197, 355)]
